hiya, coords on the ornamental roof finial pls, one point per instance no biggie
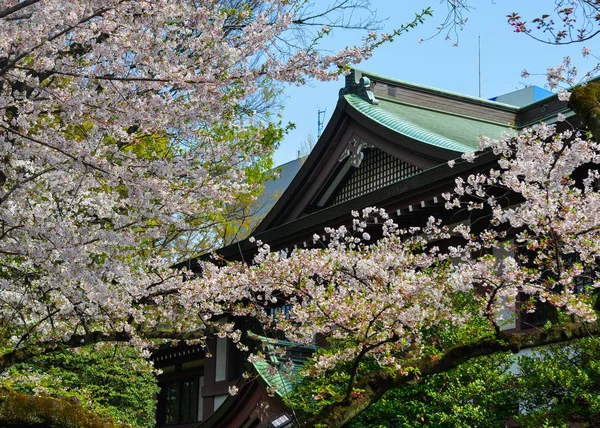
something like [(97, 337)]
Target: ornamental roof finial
[(360, 85)]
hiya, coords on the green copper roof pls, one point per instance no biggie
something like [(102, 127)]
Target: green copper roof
[(273, 370), (434, 127), (280, 381)]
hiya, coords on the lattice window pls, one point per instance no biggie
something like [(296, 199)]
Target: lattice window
[(378, 169)]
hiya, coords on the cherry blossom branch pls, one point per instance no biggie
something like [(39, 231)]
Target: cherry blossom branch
[(50, 146), (19, 183), (17, 7), (359, 358), (4, 68)]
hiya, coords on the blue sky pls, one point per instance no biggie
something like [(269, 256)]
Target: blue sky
[(435, 62)]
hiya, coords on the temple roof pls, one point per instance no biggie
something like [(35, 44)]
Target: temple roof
[(450, 131), (281, 369), (387, 144)]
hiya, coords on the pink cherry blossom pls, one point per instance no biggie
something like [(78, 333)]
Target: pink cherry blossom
[(127, 131)]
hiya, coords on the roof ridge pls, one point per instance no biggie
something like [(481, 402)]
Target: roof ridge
[(405, 127), (357, 73)]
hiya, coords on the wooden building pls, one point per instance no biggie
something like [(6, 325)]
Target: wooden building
[(387, 145)]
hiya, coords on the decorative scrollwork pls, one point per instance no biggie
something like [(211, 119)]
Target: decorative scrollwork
[(354, 151)]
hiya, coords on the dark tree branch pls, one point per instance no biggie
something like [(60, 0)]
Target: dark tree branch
[(78, 340), (373, 385), (10, 10)]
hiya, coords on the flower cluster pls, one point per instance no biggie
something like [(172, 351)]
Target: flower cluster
[(383, 298), (127, 129)]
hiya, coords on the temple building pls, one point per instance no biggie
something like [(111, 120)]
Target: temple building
[(387, 145)]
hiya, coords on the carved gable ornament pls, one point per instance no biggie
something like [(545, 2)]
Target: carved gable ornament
[(354, 151)]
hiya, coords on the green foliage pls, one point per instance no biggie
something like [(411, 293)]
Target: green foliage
[(238, 217), (474, 394), (312, 394), (108, 379), (151, 146), (446, 399), (446, 335), (556, 386), (560, 384)]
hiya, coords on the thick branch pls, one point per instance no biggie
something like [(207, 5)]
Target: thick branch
[(10, 10), (78, 340), (375, 384)]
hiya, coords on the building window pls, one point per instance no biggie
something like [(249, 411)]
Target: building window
[(180, 398), (280, 311), (179, 402)]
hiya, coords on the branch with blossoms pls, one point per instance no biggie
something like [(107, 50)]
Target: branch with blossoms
[(389, 300), (454, 20), (551, 177), (571, 21), (564, 77)]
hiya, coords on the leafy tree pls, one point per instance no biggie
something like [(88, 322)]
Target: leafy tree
[(477, 393), (110, 379), (127, 131), (558, 385)]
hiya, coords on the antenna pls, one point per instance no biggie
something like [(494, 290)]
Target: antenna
[(320, 122), (479, 65)]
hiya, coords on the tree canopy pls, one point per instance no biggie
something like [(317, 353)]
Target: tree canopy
[(127, 129)]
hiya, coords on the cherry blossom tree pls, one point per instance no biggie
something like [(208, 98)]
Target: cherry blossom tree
[(388, 301), (125, 127)]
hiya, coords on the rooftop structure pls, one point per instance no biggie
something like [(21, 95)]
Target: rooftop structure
[(387, 144), (523, 96)]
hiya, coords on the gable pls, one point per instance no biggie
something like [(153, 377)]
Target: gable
[(370, 170), (377, 170), (372, 143)]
